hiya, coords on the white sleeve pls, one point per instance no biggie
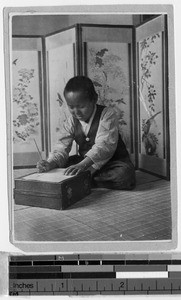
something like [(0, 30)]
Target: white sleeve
[(61, 150), (106, 139)]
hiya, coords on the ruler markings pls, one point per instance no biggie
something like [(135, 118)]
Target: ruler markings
[(135, 292), (103, 262), (96, 285), (175, 257), (112, 293), (67, 284), (88, 293), (158, 292), (175, 292), (95, 278)]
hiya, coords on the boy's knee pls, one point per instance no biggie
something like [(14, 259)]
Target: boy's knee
[(119, 178)]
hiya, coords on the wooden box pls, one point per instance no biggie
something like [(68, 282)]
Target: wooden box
[(54, 195)]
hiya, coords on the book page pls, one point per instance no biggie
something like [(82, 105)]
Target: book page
[(55, 175)]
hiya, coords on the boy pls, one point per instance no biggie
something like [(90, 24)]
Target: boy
[(95, 129)]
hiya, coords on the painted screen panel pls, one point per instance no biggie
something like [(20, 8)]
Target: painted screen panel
[(60, 70), (108, 65), (26, 102), (151, 96)]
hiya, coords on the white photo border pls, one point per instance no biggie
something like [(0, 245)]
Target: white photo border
[(94, 247)]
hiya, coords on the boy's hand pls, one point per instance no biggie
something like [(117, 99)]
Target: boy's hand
[(75, 169), (43, 166)]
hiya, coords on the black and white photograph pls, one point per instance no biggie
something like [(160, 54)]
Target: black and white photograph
[(91, 131)]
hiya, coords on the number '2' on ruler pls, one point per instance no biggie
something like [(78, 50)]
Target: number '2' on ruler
[(94, 274)]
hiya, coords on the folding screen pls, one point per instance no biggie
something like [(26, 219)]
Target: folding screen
[(107, 54), (27, 124), (61, 66), (129, 76), (153, 136)]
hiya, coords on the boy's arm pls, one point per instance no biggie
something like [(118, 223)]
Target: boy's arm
[(59, 156)]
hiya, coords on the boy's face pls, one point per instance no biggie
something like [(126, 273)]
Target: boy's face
[(80, 106)]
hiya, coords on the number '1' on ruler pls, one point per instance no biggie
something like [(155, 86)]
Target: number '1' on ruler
[(94, 274)]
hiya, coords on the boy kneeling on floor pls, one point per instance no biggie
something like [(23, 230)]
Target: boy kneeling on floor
[(95, 130)]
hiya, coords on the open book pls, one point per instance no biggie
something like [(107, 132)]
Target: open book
[(55, 175)]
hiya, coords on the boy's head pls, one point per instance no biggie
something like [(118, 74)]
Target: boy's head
[(81, 97)]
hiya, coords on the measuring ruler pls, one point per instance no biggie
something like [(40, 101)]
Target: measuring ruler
[(94, 274)]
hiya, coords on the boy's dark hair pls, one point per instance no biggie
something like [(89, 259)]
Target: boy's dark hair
[(81, 84)]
